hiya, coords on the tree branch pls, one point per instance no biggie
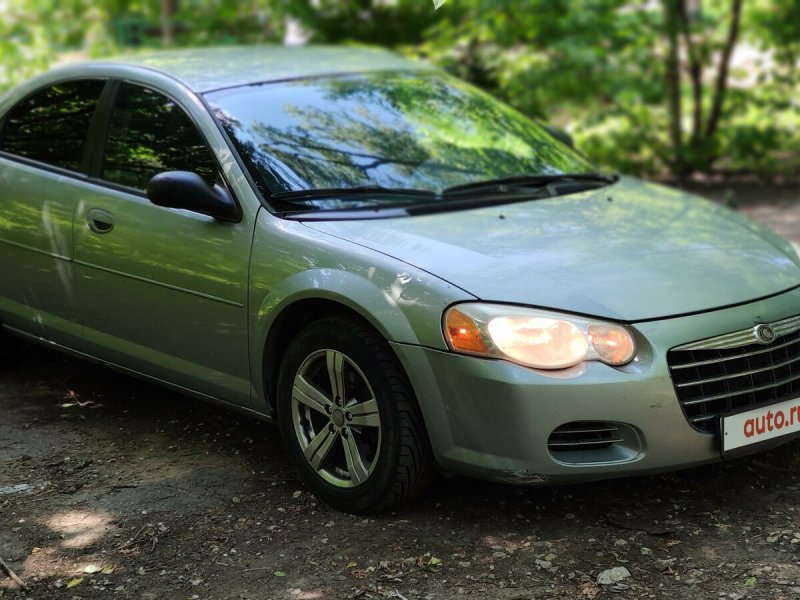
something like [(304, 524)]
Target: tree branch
[(722, 72), (15, 578)]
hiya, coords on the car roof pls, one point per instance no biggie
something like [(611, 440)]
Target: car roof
[(205, 69)]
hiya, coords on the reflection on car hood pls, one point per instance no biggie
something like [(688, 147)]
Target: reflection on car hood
[(631, 251)]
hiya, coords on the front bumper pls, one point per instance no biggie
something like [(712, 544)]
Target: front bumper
[(492, 419)]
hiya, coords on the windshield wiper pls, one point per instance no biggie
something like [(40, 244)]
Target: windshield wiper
[(378, 197), (515, 182), (349, 192), (348, 199)]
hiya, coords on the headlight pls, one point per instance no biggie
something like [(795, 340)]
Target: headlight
[(535, 338)]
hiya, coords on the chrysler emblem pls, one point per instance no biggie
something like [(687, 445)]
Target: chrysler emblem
[(764, 333)]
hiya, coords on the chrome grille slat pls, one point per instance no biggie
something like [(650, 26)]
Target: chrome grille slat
[(612, 440), (579, 436), (746, 337), (701, 419), (742, 355), (736, 375), (713, 381), (749, 390), (609, 429)]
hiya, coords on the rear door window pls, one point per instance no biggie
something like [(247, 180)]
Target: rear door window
[(51, 125)]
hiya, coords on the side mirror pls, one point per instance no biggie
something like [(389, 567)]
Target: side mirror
[(187, 190), (561, 135)]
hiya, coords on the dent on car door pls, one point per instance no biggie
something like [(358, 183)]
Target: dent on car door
[(42, 143), (162, 291)]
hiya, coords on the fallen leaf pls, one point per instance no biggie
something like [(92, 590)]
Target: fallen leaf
[(435, 561), (279, 574), (352, 564), (588, 589), (73, 582), (35, 550), (107, 570), (90, 569), (750, 581)]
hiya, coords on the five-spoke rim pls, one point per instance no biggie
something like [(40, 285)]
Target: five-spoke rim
[(336, 418)]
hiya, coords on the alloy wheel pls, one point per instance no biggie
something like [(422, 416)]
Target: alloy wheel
[(336, 418)]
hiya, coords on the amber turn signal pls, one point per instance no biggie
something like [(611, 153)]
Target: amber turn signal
[(463, 334)]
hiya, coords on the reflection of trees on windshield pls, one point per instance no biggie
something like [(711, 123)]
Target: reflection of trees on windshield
[(318, 154), (420, 131)]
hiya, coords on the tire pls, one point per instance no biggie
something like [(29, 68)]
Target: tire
[(376, 421)]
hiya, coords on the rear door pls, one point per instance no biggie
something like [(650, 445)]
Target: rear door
[(162, 291), (43, 166)]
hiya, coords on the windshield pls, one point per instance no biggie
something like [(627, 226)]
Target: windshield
[(400, 130)]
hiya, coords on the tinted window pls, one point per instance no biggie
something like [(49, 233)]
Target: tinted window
[(51, 125), (149, 134), (397, 130)]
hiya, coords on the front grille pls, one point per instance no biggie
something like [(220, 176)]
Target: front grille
[(716, 377), (583, 435)]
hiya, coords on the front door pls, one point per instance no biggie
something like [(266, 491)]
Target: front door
[(162, 291)]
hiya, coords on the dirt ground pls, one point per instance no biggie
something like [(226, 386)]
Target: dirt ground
[(112, 488)]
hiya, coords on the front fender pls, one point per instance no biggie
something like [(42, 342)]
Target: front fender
[(291, 263)]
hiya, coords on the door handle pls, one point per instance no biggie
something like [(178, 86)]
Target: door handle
[(100, 221)]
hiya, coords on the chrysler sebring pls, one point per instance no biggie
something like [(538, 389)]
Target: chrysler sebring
[(405, 274)]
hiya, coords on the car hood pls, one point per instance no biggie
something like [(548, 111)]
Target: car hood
[(631, 251)]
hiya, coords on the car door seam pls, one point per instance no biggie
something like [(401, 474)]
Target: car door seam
[(37, 250)]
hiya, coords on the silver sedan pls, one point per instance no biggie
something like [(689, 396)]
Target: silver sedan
[(407, 275)]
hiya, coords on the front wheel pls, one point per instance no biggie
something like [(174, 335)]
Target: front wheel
[(349, 419)]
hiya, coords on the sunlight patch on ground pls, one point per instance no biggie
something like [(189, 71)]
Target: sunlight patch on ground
[(503, 544), (80, 528), (297, 594), (77, 529)]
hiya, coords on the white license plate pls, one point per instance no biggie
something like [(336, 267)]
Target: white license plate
[(761, 424)]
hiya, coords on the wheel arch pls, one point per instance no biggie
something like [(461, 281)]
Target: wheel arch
[(373, 297), (288, 322)]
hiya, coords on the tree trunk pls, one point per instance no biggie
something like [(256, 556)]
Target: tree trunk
[(673, 76), (721, 85), (168, 8), (687, 14)]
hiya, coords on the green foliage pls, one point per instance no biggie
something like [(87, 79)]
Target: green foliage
[(33, 31), (598, 68), (628, 141), (402, 22), (775, 24)]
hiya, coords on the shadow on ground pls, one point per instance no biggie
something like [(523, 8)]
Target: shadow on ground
[(118, 487)]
